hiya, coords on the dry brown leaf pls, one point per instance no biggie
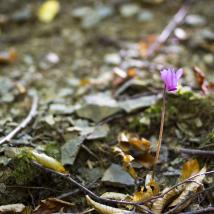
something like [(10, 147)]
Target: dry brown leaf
[(204, 84), (147, 160), (190, 188), (190, 168), (115, 196), (160, 203), (103, 209), (151, 189), (51, 205), (9, 56)]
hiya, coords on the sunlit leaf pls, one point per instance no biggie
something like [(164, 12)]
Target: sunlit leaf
[(190, 189), (51, 205), (48, 10), (150, 189), (191, 167), (104, 209), (48, 161)]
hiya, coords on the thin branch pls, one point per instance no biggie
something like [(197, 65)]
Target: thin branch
[(109, 201), (24, 123), (190, 198), (177, 19), (198, 152), (205, 210)]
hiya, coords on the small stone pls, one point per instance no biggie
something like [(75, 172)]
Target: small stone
[(116, 176), (145, 16), (52, 58), (180, 34), (81, 12), (129, 10), (195, 20), (112, 58), (208, 59)]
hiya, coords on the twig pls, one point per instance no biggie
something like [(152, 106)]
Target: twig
[(89, 192), (24, 123), (179, 16), (198, 152), (205, 210), (109, 201), (191, 197)]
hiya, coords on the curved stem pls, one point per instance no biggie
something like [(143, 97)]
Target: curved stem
[(161, 129)]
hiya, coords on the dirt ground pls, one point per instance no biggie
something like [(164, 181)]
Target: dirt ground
[(71, 61)]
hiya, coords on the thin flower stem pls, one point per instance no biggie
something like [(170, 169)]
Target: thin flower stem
[(161, 129)]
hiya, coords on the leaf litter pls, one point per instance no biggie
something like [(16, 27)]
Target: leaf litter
[(100, 110)]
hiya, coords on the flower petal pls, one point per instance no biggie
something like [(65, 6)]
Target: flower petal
[(179, 73)]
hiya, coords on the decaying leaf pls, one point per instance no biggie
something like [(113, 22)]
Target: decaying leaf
[(204, 84), (12, 208), (160, 203), (103, 209), (51, 205), (47, 161), (48, 10), (190, 168), (150, 189), (9, 56), (190, 188), (114, 195), (133, 149), (179, 194)]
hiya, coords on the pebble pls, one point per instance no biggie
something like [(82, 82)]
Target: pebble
[(180, 34), (112, 58), (129, 10), (52, 58), (195, 20), (145, 16)]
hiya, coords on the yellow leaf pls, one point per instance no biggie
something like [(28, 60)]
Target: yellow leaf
[(103, 209), (190, 189), (48, 162), (151, 189), (191, 167), (48, 10)]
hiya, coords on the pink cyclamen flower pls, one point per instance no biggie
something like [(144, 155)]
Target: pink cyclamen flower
[(171, 77)]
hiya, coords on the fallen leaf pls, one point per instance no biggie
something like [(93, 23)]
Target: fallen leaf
[(150, 189), (51, 205), (204, 84), (48, 10), (115, 196), (9, 56), (190, 168), (103, 209), (47, 161)]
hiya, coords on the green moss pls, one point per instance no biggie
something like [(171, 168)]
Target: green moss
[(53, 150), (24, 172)]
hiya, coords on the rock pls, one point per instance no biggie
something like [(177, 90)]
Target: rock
[(116, 176), (180, 34), (98, 106), (129, 10), (195, 20), (141, 102), (112, 58), (70, 149), (145, 16), (52, 58)]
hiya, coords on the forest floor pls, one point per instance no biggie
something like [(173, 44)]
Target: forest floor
[(95, 98)]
